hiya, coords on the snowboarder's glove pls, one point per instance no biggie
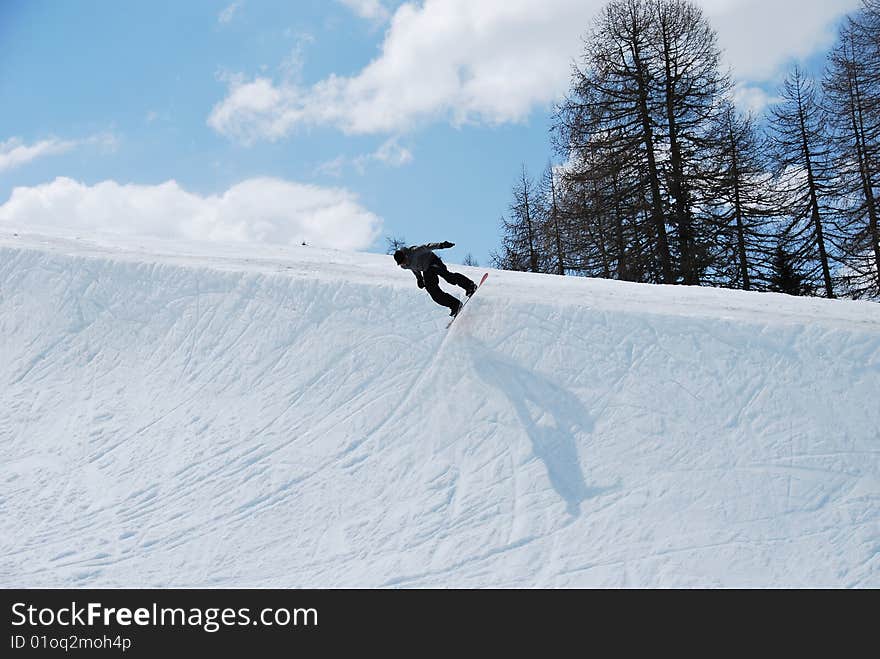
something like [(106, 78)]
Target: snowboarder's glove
[(446, 244), (421, 283)]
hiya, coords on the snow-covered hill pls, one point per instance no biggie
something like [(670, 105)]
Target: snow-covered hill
[(227, 416)]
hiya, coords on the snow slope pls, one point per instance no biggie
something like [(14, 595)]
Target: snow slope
[(185, 415)]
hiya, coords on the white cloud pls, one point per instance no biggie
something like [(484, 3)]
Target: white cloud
[(393, 154), (493, 62), (229, 12), (292, 65), (761, 37), (255, 110), (369, 9), (390, 153), (259, 210), (489, 61), (333, 167), (14, 153), (106, 142), (752, 99)]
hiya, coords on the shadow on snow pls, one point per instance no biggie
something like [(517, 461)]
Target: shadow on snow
[(551, 416)]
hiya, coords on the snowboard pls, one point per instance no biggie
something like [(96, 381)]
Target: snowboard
[(467, 299)]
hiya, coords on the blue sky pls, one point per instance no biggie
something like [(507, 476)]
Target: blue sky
[(335, 122)]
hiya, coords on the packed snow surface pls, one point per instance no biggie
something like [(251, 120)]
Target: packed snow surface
[(224, 416)]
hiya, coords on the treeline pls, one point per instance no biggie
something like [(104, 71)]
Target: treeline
[(665, 180)]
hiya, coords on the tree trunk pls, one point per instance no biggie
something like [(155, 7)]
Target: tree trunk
[(814, 203), (657, 218), (676, 181), (858, 122), (737, 206), (560, 263)]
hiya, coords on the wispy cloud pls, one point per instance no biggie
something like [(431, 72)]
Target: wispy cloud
[(752, 99), (291, 66), (265, 210), (157, 116), (390, 153), (107, 142), (370, 9), (333, 167), (15, 153), (494, 62), (229, 12)]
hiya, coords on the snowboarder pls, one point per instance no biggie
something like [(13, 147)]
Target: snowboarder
[(428, 267)]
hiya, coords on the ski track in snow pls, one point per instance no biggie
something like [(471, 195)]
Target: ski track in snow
[(229, 416)]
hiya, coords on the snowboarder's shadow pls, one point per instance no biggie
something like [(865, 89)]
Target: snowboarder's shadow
[(552, 418)]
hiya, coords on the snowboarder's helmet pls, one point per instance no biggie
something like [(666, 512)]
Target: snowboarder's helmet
[(400, 256)]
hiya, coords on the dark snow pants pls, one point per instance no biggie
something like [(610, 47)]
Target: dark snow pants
[(432, 284)]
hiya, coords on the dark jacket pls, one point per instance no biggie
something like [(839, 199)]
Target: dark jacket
[(419, 258)]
